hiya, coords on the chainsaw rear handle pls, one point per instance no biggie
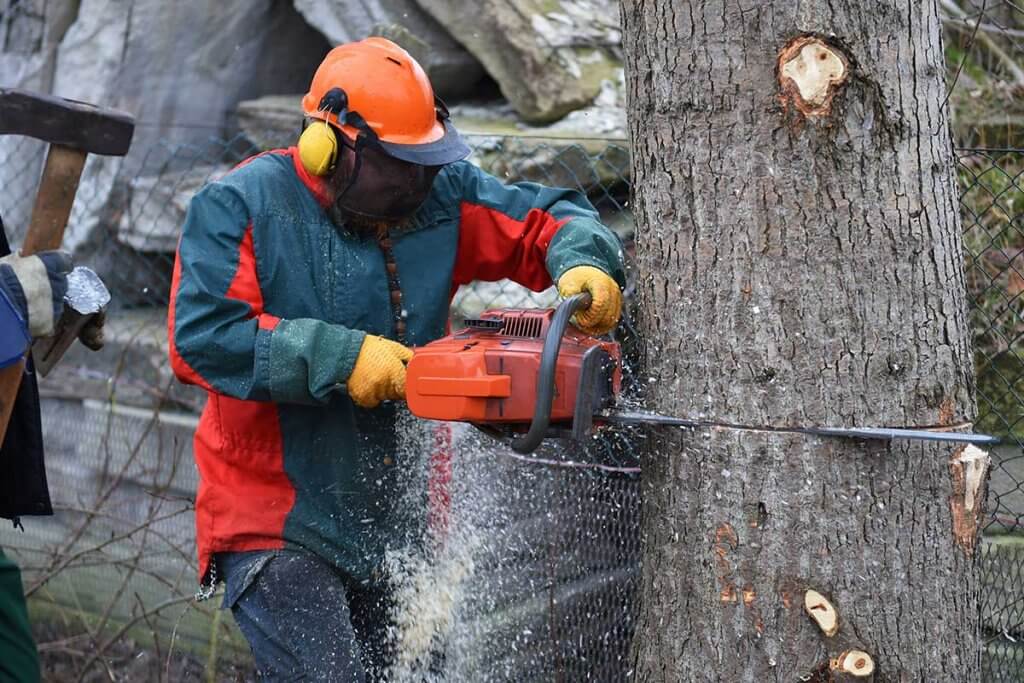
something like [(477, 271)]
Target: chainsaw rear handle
[(528, 442)]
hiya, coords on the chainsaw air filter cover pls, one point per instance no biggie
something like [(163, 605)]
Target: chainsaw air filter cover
[(488, 372)]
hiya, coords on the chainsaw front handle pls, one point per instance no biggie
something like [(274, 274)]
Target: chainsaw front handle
[(528, 442)]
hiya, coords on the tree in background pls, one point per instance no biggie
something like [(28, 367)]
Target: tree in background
[(800, 263)]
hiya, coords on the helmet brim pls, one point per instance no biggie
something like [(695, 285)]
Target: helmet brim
[(449, 148)]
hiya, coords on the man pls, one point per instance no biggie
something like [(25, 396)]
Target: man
[(31, 299), (303, 278)]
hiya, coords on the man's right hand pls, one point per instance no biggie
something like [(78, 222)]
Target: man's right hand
[(379, 372), (36, 285)]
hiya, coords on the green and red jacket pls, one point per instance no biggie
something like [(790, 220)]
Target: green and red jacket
[(270, 303)]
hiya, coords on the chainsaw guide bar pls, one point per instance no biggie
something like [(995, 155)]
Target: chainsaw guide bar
[(872, 433)]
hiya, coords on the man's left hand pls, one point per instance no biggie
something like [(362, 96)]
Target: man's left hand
[(606, 298)]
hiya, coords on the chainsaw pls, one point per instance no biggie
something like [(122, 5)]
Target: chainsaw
[(529, 374)]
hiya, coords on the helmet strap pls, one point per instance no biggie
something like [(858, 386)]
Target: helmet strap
[(442, 109), (367, 136), (355, 169)]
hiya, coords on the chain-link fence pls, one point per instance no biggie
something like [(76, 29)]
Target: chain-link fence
[(992, 201), (554, 546)]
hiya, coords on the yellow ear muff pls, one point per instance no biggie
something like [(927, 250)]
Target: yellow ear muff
[(318, 149)]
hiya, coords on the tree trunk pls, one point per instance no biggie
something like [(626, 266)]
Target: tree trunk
[(800, 263)]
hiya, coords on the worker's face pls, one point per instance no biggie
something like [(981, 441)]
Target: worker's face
[(379, 188)]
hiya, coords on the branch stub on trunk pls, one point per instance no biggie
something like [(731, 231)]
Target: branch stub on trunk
[(822, 611), (855, 663), (811, 72)]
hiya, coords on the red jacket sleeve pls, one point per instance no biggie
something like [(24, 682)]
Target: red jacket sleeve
[(509, 231)]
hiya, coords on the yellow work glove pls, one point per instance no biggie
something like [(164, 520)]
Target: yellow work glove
[(606, 305), (379, 372)]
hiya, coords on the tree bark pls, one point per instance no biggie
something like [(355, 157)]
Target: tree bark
[(800, 263)]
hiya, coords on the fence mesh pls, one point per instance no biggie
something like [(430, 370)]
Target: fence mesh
[(112, 573), (992, 202)]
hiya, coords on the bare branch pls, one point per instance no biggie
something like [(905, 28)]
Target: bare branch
[(962, 23)]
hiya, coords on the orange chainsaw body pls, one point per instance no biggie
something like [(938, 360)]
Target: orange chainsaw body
[(487, 373)]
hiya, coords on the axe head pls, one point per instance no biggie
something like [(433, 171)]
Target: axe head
[(64, 122), (87, 297)]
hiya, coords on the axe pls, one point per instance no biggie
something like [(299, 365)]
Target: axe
[(74, 130)]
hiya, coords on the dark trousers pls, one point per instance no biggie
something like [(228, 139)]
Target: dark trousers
[(18, 660), (304, 619)]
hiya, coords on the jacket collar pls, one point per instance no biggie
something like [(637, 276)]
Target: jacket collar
[(316, 185)]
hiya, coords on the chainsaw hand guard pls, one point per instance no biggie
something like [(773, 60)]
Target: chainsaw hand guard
[(546, 375)]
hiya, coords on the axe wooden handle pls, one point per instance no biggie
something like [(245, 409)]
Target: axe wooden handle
[(56, 195), (50, 214)]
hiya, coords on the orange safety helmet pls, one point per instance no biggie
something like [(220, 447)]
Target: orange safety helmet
[(386, 95)]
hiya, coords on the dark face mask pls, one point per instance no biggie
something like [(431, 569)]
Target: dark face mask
[(372, 187)]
